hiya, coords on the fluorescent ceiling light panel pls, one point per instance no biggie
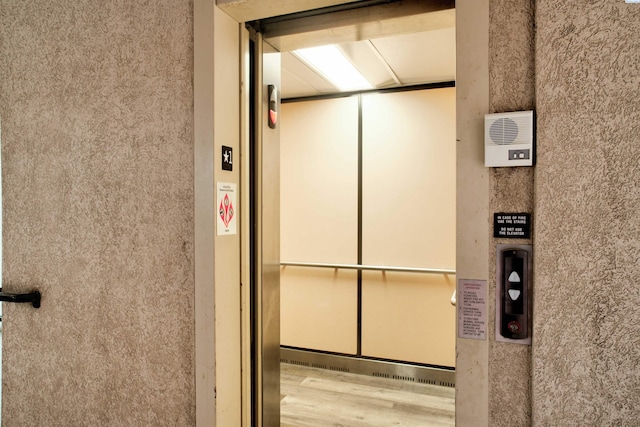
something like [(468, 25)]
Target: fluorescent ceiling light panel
[(331, 63)]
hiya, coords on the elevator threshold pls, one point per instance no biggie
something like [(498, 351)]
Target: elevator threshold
[(423, 374)]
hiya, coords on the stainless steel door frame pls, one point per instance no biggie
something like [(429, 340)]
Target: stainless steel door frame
[(265, 242)]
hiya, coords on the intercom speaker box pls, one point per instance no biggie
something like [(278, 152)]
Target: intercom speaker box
[(509, 139)]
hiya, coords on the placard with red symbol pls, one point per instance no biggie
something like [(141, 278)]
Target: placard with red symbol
[(227, 209)]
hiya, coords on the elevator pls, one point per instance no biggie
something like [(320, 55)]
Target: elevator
[(354, 334)]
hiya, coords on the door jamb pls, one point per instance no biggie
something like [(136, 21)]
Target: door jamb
[(203, 104)]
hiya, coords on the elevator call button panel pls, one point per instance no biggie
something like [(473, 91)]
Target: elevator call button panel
[(513, 293)]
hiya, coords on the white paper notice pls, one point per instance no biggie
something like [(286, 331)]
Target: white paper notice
[(472, 309), (227, 210)]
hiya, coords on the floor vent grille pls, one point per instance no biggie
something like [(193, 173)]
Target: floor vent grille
[(300, 363), (403, 378), (376, 368)]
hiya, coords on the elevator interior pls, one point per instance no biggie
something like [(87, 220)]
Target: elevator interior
[(368, 202)]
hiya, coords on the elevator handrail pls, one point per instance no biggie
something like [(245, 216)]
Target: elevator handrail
[(369, 267)]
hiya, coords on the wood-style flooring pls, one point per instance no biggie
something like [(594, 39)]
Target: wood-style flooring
[(313, 397)]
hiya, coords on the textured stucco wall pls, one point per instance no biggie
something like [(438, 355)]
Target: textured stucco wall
[(511, 88), (97, 166), (587, 236)]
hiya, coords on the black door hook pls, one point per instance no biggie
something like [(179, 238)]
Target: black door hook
[(33, 298)]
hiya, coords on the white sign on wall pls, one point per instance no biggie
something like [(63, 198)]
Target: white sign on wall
[(472, 309), (227, 209)]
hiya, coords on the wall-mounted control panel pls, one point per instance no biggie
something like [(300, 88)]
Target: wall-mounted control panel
[(509, 139), (513, 293)]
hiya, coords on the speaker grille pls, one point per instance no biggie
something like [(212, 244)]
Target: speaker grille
[(503, 131)]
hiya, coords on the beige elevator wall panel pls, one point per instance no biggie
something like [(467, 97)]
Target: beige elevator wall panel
[(319, 309), (408, 316), (409, 220), (409, 178), (319, 184), (319, 181)]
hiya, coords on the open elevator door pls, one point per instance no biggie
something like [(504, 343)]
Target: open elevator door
[(264, 245), (362, 20)]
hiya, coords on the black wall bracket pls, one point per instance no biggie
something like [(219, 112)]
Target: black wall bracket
[(33, 298)]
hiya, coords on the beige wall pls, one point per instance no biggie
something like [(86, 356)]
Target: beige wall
[(495, 74), (319, 181), (472, 198), (97, 117), (319, 223), (587, 233), (218, 375), (226, 119), (408, 189), (408, 204), (96, 106), (408, 221), (409, 317), (204, 210), (511, 88)]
